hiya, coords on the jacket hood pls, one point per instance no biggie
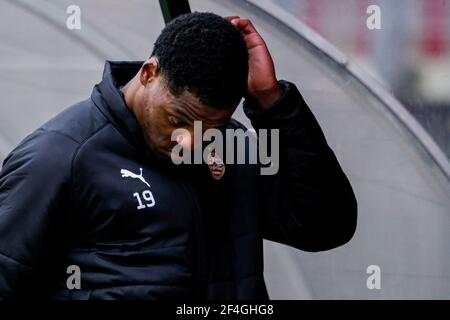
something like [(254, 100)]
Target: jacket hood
[(108, 97)]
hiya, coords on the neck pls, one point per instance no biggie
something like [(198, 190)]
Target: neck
[(130, 91)]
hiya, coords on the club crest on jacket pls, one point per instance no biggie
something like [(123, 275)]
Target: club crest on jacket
[(216, 165)]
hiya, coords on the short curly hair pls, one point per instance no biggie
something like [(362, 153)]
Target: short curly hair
[(206, 55)]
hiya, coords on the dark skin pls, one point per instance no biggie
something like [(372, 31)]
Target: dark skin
[(159, 113)]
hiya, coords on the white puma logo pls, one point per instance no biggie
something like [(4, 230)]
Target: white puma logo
[(128, 174)]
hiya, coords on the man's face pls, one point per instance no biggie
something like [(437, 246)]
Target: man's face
[(161, 113)]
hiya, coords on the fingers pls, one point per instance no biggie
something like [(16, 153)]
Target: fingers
[(244, 25), (229, 18)]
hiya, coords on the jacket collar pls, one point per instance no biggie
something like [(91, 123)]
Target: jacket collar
[(108, 97)]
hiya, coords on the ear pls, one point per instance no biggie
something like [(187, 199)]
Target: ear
[(149, 71)]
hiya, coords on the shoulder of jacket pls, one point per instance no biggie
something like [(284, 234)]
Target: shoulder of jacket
[(78, 122), (42, 150), (57, 141)]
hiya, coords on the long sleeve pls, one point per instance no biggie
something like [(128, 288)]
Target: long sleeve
[(309, 203), (34, 196)]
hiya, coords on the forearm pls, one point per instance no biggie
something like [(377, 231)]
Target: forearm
[(309, 203)]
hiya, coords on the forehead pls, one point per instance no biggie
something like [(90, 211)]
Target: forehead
[(189, 106)]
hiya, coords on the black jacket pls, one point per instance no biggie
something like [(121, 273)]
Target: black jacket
[(67, 198)]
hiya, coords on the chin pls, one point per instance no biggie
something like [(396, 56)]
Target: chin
[(159, 151), (163, 154)]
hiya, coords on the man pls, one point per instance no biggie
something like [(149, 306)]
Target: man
[(95, 187)]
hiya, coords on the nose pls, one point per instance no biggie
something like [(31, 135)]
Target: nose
[(186, 140)]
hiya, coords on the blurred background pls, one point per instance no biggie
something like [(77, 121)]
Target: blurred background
[(410, 54), (381, 97)]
